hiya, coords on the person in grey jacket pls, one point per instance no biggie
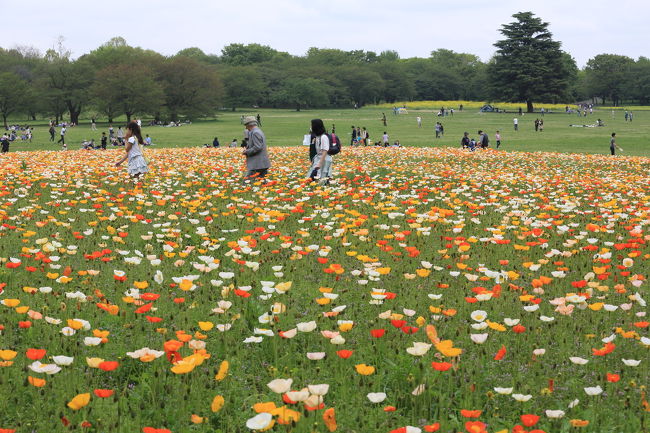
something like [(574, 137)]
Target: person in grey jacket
[(257, 157)]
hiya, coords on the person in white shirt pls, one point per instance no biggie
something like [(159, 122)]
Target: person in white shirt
[(419, 119), (321, 166), (385, 139), (515, 121)]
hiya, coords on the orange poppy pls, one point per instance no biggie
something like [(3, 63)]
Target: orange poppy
[(529, 420), (470, 413), (329, 417), (103, 393), (108, 365), (35, 354)]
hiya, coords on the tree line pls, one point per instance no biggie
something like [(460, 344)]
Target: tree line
[(117, 79)]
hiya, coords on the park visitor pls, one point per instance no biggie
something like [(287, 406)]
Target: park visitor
[(147, 140), (484, 141), (215, 142), (52, 131), (364, 136), (385, 139), (464, 142), (541, 125), (497, 137), (233, 143), (321, 166), (62, 139), (536, 125), (120, 135), (515, 121), (111, 132), (612, 145), (104, 141), (257, 157), (5, 143), (419, 120), (353, 140), (93, 125), (137, 165), (437, 129)]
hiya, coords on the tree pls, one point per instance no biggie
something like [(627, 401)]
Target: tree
[(191, 88), (12, 94), (303, 92), (243, 85), (606, 76), (129, 88), (528, 65), (240, 54), (637, 83), (362, 85)]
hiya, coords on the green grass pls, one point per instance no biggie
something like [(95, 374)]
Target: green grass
[(285, 127)]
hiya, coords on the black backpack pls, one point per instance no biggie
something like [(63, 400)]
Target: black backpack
[(335, 144)]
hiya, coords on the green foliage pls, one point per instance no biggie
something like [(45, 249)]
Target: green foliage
[(606, 76), (529, 65), (12, 88)]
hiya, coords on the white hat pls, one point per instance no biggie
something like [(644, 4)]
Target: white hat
[(250, 119)]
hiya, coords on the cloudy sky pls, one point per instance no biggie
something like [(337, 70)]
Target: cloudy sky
[(413, 28)]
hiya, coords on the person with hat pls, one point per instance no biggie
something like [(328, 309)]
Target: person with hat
[(257, 156)]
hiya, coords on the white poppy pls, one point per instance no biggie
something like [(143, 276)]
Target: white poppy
[(522, 397), (315, 356), (554, 413), (418, 349), (479, 338), (631, 362), (376, 397), (260, 421), (594, 390), (253, 340), (62, 360), (306, 326), (280, 386), (478, 315), (511, 322), (301, 395), (539, 352), (319, 389), (290, 333), (503, 391), (92, 341), (578, 360)]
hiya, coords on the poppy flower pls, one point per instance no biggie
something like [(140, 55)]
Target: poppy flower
[(103, 393), (35, 381), (475, 427), (500, 354), (529, 420), (155, 430), (441, 366), (344, 353), (377, 333), (364, 370), (108, 365), (217, 403), (390, 409), (518, 329), (613, 378), (35, 354), (79, 401), (329, 417), (470, 413), (431, 428)]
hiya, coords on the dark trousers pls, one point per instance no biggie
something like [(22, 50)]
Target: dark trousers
[(51, 136), (62, 139), (613, 150)]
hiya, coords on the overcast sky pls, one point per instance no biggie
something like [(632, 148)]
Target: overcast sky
[(412, 28)]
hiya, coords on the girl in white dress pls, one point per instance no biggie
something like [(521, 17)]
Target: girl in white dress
[(137, 165)]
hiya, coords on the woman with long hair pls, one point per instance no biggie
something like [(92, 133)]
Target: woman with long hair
[(321, 166), (137, 165)]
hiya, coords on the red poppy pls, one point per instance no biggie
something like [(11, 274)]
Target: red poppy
[(155, 430), (149, 296), (500, 354), (441, 366), (475, 427), (287, 400), (377, 333), (154, 319), (242, 293), (398, 323), (313, 408), (390, 409), (432, 427), (86, 424), (613, 378), (35, 354), (529, 420), (7, 430), (518, 329), (344, 353), (409, 329), (605, 350), (470, 413), (103, 393), (179, 300), (24, 325), (109, 365), (144, 309)]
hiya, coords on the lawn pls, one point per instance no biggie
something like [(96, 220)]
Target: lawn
[(427, 289), (286, 128)]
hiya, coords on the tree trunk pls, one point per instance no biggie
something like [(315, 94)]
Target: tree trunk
[(233, 109), (128, 116), (110, 118), (74, 116), (4, 118), (529, 106), (297, 107), (174, 117)]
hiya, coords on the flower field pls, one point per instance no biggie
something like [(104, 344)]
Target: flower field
[(426, 290)]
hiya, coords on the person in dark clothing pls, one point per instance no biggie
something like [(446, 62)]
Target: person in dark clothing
[(354, 136), (104, 140), (484, 140), (215, 142), (4, 141), (52, 132), (464, 142), (259, 120), (383, 118)]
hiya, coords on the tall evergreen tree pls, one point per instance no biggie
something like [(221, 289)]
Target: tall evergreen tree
[(528, 65)]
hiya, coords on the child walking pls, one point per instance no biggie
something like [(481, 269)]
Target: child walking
[(137, 164)]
